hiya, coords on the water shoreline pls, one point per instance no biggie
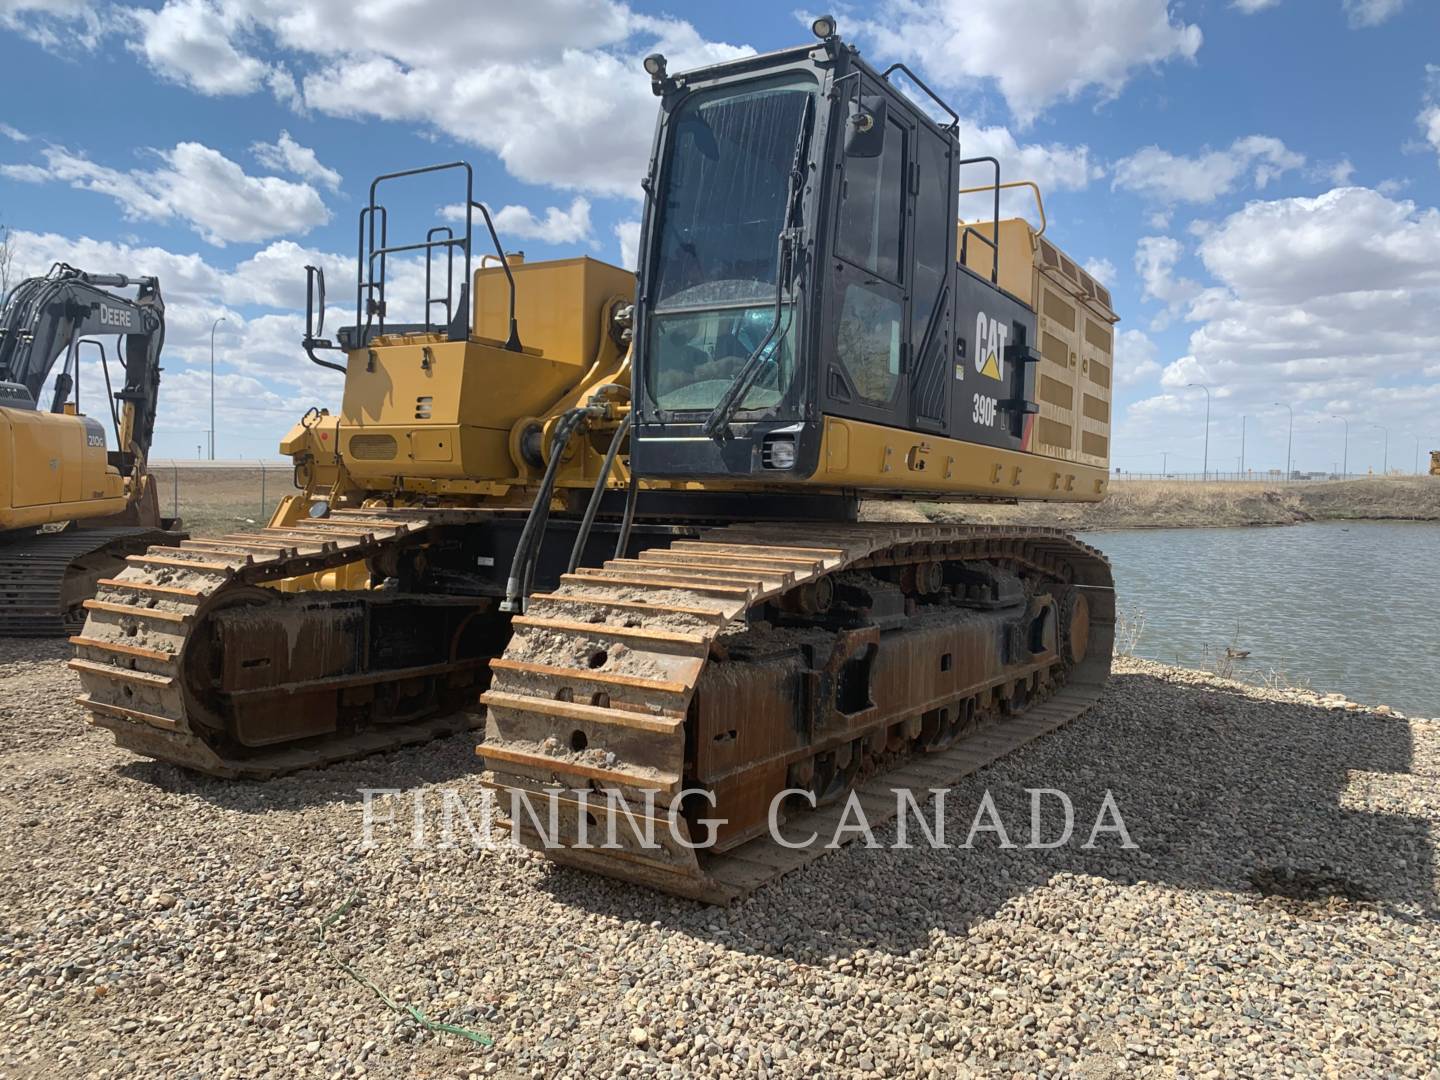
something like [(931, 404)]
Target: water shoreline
[(1160, 504)]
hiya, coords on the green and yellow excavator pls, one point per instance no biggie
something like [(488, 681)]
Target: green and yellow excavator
[(71, 507)]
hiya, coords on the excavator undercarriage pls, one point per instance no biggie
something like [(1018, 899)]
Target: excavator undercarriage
[(742, 661)]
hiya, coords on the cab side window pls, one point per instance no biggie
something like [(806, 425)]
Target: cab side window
[(870, 334), (872, 211)]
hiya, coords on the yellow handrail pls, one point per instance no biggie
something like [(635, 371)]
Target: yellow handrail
[(1034, 187)]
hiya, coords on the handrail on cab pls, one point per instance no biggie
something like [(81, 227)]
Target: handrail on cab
[(1034, 187)]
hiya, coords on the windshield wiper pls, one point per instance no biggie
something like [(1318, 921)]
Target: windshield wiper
[(718, 422)]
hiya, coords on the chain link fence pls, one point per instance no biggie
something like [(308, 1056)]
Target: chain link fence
[(215, 497), (1250, 477)]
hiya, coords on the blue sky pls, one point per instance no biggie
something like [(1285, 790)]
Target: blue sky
[(1256, 180)]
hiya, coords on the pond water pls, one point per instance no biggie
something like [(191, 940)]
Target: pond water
[(1352, 607)]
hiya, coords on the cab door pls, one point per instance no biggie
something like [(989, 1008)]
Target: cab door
[(867, 336), (932, 303)]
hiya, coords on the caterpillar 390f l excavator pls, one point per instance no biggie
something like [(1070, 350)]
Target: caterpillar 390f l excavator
[(625, 519), (70, 508)]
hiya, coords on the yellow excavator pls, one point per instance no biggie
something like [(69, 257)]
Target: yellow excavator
[(71, 509), (621, 514)]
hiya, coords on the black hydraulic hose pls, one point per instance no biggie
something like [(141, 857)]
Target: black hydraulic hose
[(521, 570), (593, 507), (632, 494)]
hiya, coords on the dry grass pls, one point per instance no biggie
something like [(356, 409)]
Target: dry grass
[(216, 501)]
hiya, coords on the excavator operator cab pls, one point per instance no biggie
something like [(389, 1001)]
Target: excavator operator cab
[(15, 395), (798, 263)]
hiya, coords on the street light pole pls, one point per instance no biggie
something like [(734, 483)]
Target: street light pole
[(1205, 468), (213, 325), (1290, 438), (1385, 468), (1344, 468), (1242, 447)]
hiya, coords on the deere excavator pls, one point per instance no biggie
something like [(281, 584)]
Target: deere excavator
[(623, 515), (71, 509)]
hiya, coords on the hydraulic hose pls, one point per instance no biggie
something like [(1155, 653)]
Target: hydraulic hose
[(521, 566), (593, 507), (632, 493)]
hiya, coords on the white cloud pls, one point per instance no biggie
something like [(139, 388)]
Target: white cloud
[(1171, 178), (189, 42), (1429, 118), (28, 174), (1371, 12), (1135, 358), (1337, 173), (1330, 303), (569, 69), (628, 234), (593, 106), (558, 226), (1429, 121), (53, 24), (1065, 47), (1155, 261), (14, 134), (196, 184), (1053, 166), (1345, 242), (289, 156), (1250, 7), (1102, 270)]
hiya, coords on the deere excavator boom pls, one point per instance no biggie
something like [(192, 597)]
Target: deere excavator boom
[(71, 509)]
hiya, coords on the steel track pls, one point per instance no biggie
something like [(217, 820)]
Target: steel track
[(135, 654), (39, 571), (598, 690)]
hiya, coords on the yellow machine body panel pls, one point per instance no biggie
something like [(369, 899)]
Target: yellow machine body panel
[(1075, 330), (425, 408), (53, 467), (442, 409), (557, 304), (885, 460)]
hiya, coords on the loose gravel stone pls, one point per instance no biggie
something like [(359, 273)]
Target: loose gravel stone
[(1277, 915)]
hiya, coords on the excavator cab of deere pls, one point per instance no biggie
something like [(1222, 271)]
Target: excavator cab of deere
[(803, 309)]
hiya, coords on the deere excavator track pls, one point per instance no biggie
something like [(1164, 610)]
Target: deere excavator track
[(759, 658), (45, 576), (186, 659)]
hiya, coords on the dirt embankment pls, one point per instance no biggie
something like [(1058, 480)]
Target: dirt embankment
[(1173, 504)]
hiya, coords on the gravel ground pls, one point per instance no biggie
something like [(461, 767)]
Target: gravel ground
[(1278, 916)]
